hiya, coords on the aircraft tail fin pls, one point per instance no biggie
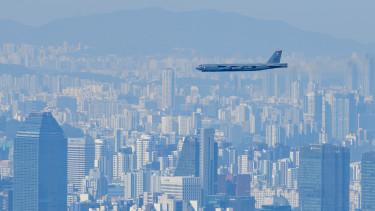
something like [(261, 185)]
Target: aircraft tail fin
[(275, 58)]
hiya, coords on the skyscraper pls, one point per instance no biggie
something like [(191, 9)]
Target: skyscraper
[(188, 158), (143, 150), (208, 158), (168, 89), (344, 115), (313, 104), (40, 165), (323, 178), (326, 119), (103, 157), (196, 120), (368, 181), (81, 156)]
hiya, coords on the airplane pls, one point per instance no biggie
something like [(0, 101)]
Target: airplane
[(272, 63)]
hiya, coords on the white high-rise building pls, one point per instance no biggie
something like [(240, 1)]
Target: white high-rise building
[(243, 164), (181, 187), (118, 165), (103, 157), (143, 150), (184, 125), (81, 156)]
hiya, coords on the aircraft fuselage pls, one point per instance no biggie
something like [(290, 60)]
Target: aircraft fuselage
[(239, 67)]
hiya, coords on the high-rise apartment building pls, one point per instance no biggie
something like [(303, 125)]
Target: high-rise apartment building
[(168, 89)]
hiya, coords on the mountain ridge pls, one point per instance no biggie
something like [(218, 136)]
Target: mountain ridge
[(155, 31)]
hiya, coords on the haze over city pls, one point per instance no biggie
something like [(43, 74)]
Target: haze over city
[(187, 105)]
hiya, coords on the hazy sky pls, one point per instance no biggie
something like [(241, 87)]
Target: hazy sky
[(353, 19)]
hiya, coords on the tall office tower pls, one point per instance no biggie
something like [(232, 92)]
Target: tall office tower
[(323, 178), (344, 115), (119, 139), (188, 157), (40, 165), (313, 104), (196, 121), (168, 89), (103, 157), (143, 150), (99, 154), (81, 155), (326, 130), (368, 181), (208, 158)]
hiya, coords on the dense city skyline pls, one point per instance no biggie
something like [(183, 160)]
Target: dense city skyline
[(121, 119)]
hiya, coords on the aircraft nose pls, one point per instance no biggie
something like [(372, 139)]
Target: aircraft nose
[(200, 67)]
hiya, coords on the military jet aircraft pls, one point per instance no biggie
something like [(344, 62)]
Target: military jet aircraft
[(272, 63)]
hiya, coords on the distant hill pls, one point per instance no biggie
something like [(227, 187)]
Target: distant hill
[(13, 31), (156, 31), (18, 70)]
